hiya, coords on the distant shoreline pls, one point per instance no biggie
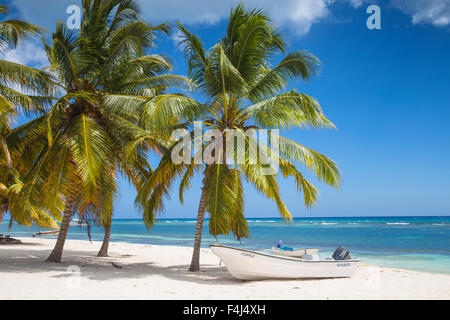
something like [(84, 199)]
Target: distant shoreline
[(281, 219), (413, 243), (309, 217)]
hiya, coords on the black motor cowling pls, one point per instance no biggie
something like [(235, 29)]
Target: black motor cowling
[(341, 254)]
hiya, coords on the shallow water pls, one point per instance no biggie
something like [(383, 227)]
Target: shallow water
[(415, 243)]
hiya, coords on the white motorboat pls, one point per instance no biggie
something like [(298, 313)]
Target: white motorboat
[(78, 223), (251, 265), (296, 253)]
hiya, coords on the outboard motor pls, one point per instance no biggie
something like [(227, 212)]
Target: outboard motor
[(341, 254)]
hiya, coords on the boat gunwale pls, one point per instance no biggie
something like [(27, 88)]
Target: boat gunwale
[(294, 250), (283, 257)]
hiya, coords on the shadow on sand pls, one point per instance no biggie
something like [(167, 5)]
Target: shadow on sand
[(21, 259)]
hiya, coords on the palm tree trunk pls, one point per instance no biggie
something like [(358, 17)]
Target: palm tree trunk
[(104, 249), (56, 254), (195, 263), (5, 149)]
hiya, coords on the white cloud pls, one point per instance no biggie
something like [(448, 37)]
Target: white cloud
[(436, 12), (356, 3), (298, 15), (176, 37), (29, 52), (44, 13)]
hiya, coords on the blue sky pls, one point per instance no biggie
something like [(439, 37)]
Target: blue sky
[(387, 91)]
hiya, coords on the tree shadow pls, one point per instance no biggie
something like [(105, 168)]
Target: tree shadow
[(112, 267), (23, 243)]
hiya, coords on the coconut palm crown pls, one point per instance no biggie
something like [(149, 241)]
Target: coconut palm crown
[(76, 147), (23, 90), (243, 91)]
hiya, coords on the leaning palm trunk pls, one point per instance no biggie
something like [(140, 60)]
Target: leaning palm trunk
[(6, 153), (56, 254), (195, 263), (105, 245)]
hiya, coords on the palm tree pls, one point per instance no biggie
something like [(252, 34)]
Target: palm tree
[(243, 92), (77, 146), (22, 90)]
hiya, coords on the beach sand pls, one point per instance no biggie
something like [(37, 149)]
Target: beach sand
[(140, 271)]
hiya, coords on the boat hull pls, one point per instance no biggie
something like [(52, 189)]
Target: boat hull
[(250, 265)]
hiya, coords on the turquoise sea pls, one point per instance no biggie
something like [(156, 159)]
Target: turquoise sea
[(415, 243)]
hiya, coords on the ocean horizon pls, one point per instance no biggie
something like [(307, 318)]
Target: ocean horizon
[(420, 243)]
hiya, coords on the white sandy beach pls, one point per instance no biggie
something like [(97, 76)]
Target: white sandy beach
[(138, 271)]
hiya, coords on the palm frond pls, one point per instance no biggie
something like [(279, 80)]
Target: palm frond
[(324, 168), (296, 64), (12, 31), (165, 110), (304, 187), (288, 110), (90, 148), (220, 198), (237, 221), (195, 55)]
